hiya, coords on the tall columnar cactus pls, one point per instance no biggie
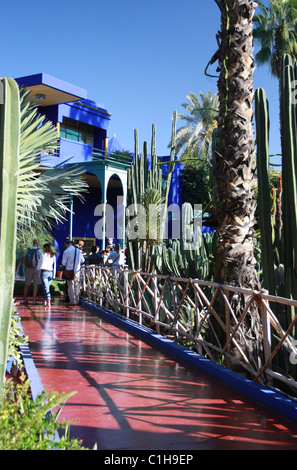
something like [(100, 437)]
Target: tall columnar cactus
[(9, 163), (285, 243), (264, 203), (289, 156), (170, 165), (143, 175)]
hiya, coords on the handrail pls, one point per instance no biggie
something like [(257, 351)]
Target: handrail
[(111, 157), (187, 309)]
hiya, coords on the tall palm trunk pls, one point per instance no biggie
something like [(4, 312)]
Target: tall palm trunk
[(235, 163)]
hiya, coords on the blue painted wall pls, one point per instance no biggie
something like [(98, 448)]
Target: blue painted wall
[(94, 114), (175, 193), (78, 152), (87, 112)]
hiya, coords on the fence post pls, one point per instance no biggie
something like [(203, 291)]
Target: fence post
[(89, 285), (197, 317), (126, 280), (174, 306), (266, 328), (156, 303), (100, 287), (82, 282), (115, 279), (94, 284), (228, 328), (139, 302)]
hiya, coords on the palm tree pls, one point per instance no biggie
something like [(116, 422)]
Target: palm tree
[(235, 163), (276, 32), (194, 138)]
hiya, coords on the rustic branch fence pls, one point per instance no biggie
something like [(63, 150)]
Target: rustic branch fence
[(185, 310)]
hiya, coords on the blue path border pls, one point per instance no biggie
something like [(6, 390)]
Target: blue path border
[(29, 365), (270, 398), (32, 373)]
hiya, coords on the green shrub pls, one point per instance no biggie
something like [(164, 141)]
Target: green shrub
[(57, 288), (26, 424), (16, 339)]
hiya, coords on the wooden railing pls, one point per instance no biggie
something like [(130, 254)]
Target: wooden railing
[(186, 310)]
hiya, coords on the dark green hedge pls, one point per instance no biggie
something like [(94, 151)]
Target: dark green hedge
[(57, 288)]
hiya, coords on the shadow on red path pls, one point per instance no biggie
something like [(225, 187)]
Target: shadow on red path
[(131, 396)]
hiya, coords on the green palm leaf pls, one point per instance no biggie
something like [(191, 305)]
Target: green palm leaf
[(43, 196), (194, 138), (276, 33), (150, 214)]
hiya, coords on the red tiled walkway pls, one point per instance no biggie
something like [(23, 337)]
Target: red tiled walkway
[(131, 396)]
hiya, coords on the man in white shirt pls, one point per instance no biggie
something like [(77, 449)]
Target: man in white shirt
[(72, 259)]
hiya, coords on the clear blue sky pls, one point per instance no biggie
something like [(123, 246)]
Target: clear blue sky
[(138, 59)]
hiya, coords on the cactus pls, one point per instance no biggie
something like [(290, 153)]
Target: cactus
[(144, 175), (186, 261), (289, 151), (10, 137), (177, 259), (264, 205), (276, 233), (140, 178)]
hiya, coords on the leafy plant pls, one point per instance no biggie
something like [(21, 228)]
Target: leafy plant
[(16, 339), (150, 214), (43, 197), (9, 168), (25, 240), (57, 288), (26, 425), (196, 182), (31, 200), (275, 32), (146, 186)]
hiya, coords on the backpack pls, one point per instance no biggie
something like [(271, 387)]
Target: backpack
[(31, 257)]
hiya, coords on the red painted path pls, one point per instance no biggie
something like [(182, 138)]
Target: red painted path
[(131, 396)]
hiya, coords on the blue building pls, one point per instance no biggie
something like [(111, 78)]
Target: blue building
[(82, 126)]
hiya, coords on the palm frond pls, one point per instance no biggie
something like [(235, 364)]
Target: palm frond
[(150, 214), (276, 33), (194, 138), (43, 197)]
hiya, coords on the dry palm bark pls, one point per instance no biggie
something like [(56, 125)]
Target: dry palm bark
[(235, 163)]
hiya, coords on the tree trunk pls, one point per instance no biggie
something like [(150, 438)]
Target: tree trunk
[(235, 164)]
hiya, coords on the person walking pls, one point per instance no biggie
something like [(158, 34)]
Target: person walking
[(31, 258), (94, 257), (72, 260), (116, 257), (47, 267), (106, 254), (110, 243)]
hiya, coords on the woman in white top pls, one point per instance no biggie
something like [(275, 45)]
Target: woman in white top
[(47, 266)]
